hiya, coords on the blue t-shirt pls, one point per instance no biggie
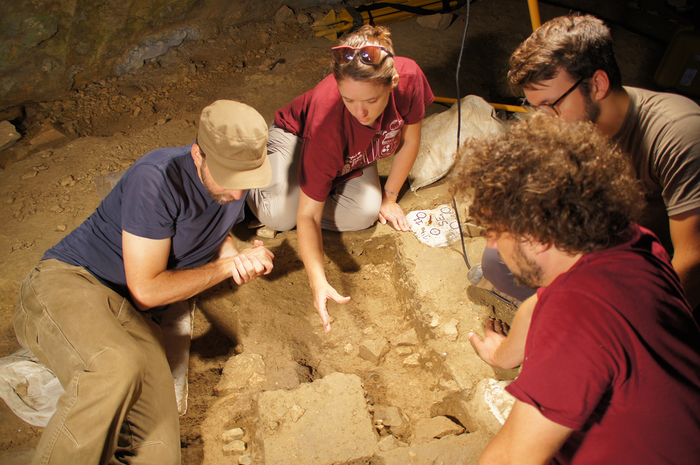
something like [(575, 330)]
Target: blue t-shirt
[(159, 197)]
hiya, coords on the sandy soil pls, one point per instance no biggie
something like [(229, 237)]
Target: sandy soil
[(48, 192)]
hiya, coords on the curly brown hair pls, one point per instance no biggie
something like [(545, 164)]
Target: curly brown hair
[(579, 45), (551, 181), (382, 74)]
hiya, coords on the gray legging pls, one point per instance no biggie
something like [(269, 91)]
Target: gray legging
[(352, 206)]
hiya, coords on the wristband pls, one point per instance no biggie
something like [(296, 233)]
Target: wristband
[(391, 192)]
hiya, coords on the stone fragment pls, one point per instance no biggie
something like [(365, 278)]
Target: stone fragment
[(388, 415), (245, 460), (232, 434), (8, 135), (67, 181), (374, 349), (284, 14), (407, 338), (241, 372), (403, 350), (393, 418), (454, 405), (450, 450), (266, 232), (236, 447), (412, 360), (450, 330), (61, 227), (303, 18), (29, 175), (449, 385), (296, 412), (436, 427), (438, 22), (50, 134), (434, 320), (388, 443), (472, 230), (335, 416)]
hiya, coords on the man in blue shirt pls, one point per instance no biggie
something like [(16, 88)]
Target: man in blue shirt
[(90, 308)]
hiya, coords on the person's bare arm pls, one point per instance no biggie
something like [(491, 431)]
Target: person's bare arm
[(526, 438), (401, 165), (310, 242), (685, 235), (151, 284), (505, 347)]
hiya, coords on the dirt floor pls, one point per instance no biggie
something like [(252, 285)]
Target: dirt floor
[(46, 192)]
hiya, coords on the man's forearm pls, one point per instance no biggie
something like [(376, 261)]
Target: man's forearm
[(689, 274), (172, 286)]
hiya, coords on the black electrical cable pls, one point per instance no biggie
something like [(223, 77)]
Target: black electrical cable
[(459, 127)]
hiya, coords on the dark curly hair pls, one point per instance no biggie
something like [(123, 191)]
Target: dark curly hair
[(579, 45), (383, 74), (551, 181)]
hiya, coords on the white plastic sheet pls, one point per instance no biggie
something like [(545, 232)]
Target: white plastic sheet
[(31, 390), (438, 146)]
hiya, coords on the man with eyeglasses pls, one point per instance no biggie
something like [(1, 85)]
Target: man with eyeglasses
[(90, 309), (567, 68)]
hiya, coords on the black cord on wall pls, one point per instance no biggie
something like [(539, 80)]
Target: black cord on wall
[(459, 127)]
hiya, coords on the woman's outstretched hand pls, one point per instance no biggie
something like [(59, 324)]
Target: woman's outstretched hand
[(392, 211)]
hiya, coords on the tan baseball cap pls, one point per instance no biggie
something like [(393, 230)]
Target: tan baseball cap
[(233, 137)]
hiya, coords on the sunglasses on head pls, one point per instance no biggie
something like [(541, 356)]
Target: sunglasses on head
[(368, 54)]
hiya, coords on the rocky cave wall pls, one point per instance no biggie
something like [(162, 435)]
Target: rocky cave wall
[(48, 47)]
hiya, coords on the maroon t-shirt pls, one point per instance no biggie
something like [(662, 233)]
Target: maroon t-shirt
[(335, 145), (613, 352)]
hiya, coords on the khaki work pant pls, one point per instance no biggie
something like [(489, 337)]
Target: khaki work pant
[(119, 405)]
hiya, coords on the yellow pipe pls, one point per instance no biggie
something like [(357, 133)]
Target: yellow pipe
[(333, 17), (344, 16), (534, 14), (384, 19), (380, 20), (497, 106)]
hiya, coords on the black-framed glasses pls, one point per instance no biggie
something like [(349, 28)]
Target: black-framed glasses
[(551, 108), (368, 54)]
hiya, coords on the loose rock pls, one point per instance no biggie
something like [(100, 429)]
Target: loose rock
[(284, 14), (388, 443), (436, 427), (234, 448), (244, 371), (407, 338), (232, 435), (438, 22), (412, 360), (450, 330), (374, 349), (8, 135)]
